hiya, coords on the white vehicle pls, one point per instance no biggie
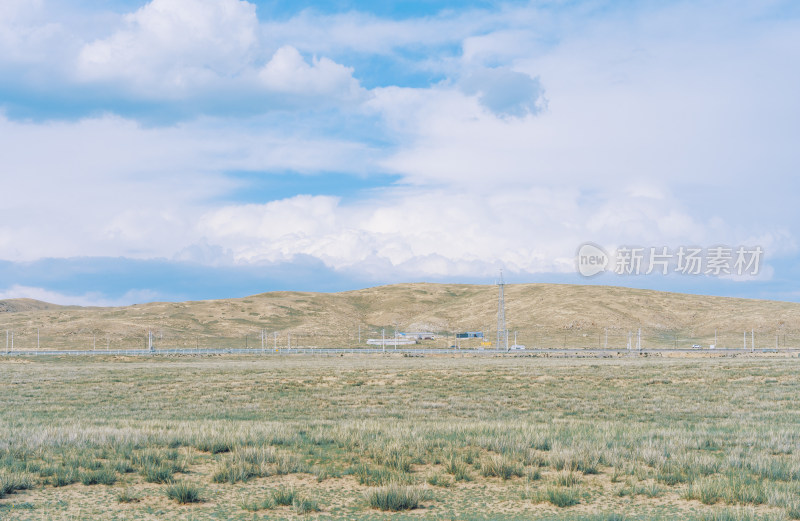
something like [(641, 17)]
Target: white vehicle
[(697, 346)]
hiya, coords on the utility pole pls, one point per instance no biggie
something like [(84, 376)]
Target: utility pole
[(752, 340), (502, 332), (37, 338), (639, 340)]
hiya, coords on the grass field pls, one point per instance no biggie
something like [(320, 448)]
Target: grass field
[(400, 438)]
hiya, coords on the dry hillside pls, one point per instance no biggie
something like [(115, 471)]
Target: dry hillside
[(542, 313)]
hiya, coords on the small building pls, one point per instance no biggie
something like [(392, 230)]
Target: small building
[(419, 335)]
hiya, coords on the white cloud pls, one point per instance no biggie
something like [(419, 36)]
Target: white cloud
[(188, 49), (110, 187), (287, 72), (26, 36), (175, 45), (357, 32), (648, 115), (85, 299), (448, 233)]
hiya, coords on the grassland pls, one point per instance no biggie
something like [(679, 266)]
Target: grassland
[(400, 438)]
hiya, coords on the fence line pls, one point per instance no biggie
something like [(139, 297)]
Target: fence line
[(252, 340), (342, 351)]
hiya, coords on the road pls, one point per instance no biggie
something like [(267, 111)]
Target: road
[(388, 350)]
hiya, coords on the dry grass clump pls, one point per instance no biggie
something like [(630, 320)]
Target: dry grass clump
[(559, 496), (731, 489), (502, 467), (13, 481), (458, 468), (183, 492), (246, 463), (396, 497)]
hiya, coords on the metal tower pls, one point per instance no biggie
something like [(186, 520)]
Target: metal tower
[(502, 332)]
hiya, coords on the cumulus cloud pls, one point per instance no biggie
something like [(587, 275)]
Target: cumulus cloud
[(446, 233), (175, 45), (211, 51), (659, 128), (288, 72)]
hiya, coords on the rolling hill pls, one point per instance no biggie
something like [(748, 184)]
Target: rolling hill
[(543, 314)]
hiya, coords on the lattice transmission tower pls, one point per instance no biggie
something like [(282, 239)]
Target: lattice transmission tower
[(502, 332)]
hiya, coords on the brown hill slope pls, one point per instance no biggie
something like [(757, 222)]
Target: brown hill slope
[(24, 304), (542, 313)]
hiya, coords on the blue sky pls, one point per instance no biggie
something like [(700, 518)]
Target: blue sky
[(191, 149)]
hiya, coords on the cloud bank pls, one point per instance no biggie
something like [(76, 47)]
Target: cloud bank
[(511, 134)]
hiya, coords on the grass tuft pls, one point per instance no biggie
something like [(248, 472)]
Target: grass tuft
[(439, 480), (562, 497), (283, 497), (183, 492), (567, 479), (303, 506), (64, 476), (502, 467), (256, 505), (158, 474), (395, 497), (458, 468), (103, 476), (11, 482)]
